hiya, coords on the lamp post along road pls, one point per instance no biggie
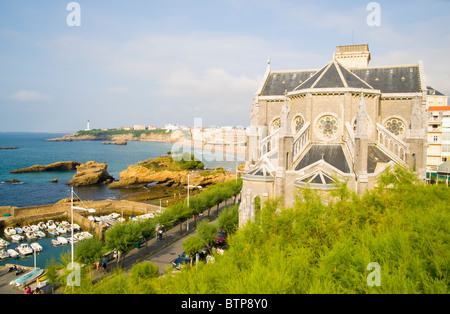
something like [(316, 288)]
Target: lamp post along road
[(91, 210), (188, 188)]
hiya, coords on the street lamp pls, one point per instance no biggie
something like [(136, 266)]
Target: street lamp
[(188, 188), (91, 210)]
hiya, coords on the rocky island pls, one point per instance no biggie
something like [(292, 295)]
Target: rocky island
[(170, 172), (61, 165), (91, 173)]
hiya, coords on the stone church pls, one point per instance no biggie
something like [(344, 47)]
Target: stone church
[(346, 121)]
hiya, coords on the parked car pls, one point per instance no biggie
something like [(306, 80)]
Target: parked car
[(182, 259), (221, 237)]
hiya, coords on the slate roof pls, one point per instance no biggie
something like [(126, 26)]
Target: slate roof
[(396, 79), (332, 154), (374, 156), (278, 82)]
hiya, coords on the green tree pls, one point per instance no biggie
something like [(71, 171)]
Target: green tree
[(193, 245), (90, 250), (207, 231), (228, 219)]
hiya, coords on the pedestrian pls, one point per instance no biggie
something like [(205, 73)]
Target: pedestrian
[(37, 291), (28, 290)]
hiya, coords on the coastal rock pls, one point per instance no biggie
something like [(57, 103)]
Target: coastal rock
[(54, 180), (91, 173), (119, 141), (138, 175), (62, 165), (13, 181)]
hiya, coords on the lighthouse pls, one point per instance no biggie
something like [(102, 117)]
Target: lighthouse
[(88, 127)]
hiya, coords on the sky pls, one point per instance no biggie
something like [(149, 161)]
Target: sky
[(157, 62)]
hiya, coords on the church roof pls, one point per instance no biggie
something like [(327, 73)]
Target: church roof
[(331, 154), (394, 79), (334, 75)]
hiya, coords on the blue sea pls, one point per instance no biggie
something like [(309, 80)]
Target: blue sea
[(36, 188)]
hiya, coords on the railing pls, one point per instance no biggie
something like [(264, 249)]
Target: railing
[(300, 141), (269, 143), (391, 143)]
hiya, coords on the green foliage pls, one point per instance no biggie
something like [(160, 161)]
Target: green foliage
[(88, 251), (144, 271), (193, 245), (207, 232), (110, 132), (228, 219)]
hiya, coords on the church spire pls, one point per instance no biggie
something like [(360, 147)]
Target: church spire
[(361, 119)]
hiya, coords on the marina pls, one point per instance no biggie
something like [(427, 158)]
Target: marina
[(18, 247)]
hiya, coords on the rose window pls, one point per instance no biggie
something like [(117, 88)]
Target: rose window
[(328, 126), (395, 126)]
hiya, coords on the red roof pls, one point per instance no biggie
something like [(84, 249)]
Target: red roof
[(439, 108)]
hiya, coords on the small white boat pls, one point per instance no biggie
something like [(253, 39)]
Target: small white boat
[(42, 225), (53, 231), (3, 254), (78, 236), (76, 228), (50, 224), (26, 229), (55, 242), (114, 215), (34, 228), (75, 240), (40, 234), (65, 224), (36, 247), (61, 229), (86, 235), (17, 237), (19, 230), (9, 231), (62, 240), (30, 235), (12, 253), (3, 243), (24, 249)]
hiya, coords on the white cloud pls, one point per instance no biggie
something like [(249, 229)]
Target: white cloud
[(118, 90), (29, 96)]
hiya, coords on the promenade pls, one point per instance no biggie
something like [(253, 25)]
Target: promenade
[(170, 237)]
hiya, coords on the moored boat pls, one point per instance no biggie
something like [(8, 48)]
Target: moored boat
[(3, 243), (55, 242), (24, 249), (40, 234), (3, 254), (36, 247), (17, 237), (12, 253), (42, 225), (62, 240), (30, 235), (19, 230), (9, 231)]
